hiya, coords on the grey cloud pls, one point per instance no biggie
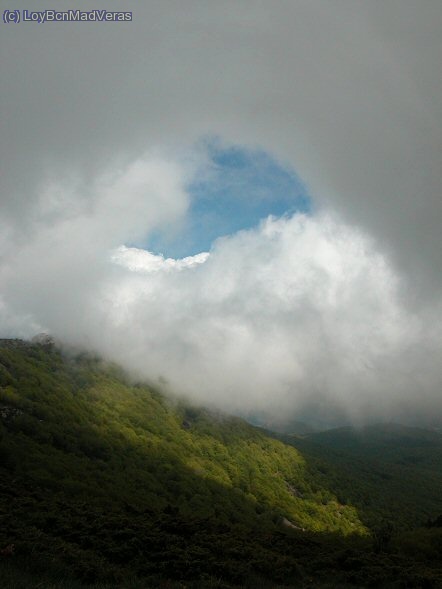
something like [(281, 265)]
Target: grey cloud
[(299, 316), (346, 92)]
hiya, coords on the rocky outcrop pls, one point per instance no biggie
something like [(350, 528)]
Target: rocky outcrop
[(8, 413), (288, 524)]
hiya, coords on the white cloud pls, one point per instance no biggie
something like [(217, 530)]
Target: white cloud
[(53, 272), (297, 311), (139, 260), (299, 314)]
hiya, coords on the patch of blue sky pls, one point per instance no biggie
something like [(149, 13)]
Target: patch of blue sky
[(239, 188)]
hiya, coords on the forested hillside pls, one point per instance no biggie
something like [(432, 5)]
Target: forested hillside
[(390, 472), (105, 480)]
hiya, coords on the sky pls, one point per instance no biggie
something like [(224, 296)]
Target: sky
[(238, 201), (237, 188)]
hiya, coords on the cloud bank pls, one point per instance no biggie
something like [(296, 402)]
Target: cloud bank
[(301, 316), (339, 312)]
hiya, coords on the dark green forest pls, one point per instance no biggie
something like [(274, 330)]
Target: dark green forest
[(390, 472), (106, 482)]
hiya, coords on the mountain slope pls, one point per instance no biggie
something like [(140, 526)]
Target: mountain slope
[(78, 425), (390, 472), (95, 471), (103, 479)]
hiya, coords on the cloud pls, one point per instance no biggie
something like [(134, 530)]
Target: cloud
[(52, 273), (341, 309), (299, 316), (139, 260), (348, 93)]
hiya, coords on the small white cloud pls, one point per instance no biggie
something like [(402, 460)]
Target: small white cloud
[(139, 260)]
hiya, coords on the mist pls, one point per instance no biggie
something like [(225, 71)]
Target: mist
[(335, 314)]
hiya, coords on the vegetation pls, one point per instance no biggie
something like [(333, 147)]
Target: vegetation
[(391, 473), (105, 482)]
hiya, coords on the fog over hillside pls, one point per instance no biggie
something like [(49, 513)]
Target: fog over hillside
[(334, 312)]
